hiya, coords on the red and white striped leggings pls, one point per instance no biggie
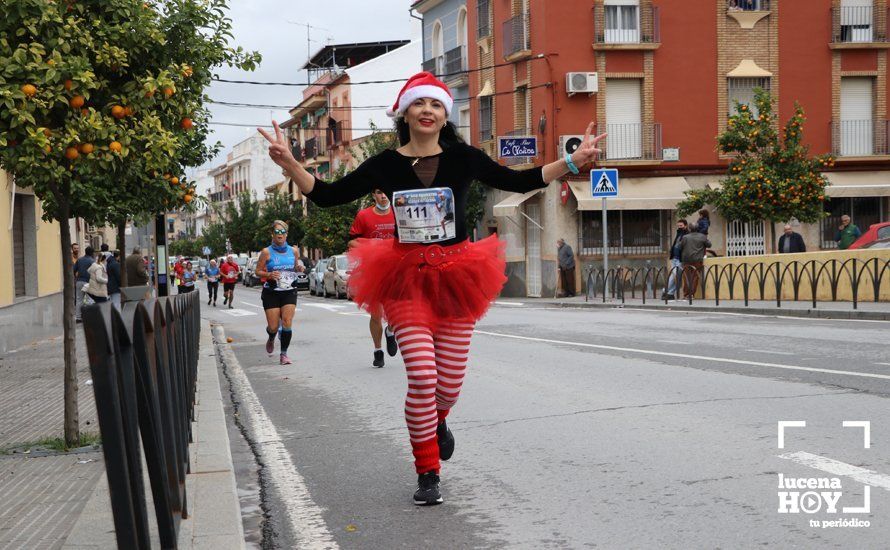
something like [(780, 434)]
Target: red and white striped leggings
[(436, 363)]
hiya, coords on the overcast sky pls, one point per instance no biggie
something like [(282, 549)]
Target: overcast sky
[(268, 26)]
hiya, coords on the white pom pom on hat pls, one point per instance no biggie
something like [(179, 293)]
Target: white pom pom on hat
[(423, 84)]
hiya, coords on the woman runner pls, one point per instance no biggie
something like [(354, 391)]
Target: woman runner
[(430, 281), (212, 276), (278, 266)]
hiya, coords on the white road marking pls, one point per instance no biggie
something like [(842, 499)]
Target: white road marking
[(838, 468), (251, 305), (885, 364), (736, 314), (669, 341), (238, 312), (329, 307), (357, 313), (770, 351), (301, 514), (687, 356), (520, 304)]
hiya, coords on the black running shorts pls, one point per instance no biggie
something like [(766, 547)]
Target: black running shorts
[(228, 286), (275, 299)]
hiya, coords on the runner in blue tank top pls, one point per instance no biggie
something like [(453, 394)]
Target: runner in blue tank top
[(278, 266)]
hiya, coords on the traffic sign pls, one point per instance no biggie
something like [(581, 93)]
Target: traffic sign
[(206, 251), (604, 183)]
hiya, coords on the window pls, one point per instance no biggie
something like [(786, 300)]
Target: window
[(748, 5), (483, 19), (464, 123), (462, 27), (622, 22), (485, 118), (741, 90), (856, 20), (630, 232), (438, 46), (857, 129), (863, 211), (623, 118)]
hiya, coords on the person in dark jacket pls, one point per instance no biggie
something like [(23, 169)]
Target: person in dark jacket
[(692, 256), (81, 278), (113, 267), (670, 292), (566, 258), (704, 221), (791, 242), (137, 275)]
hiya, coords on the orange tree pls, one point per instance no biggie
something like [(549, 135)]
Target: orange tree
[(100, 109), (771, 177)]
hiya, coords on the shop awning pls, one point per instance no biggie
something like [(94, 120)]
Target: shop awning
[(858, 184), (635, 194), (510, 206)]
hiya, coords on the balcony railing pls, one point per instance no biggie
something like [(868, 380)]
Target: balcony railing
[(456, 60), (631, 141), (626, 24), (483, 19), (434, 65), (518, 160), (315, 147), (860, 138), (747, 5), (516, 35), (857, 24)]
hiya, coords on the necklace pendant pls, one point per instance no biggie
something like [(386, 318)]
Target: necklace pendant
[(416, 161)]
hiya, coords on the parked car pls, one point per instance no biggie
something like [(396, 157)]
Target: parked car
[(878, 244), (335, 282), (316, 277), (302, 282), (250, 278), (875, 232), (242, 263)]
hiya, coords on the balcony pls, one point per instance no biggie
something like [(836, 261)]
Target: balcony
[(516, 38), (516, 161), (435, 65), (858, 27), (626, 27), (860, 138), (456, 67), (747, 5), (631, 143), (315, 150), (483, 19)]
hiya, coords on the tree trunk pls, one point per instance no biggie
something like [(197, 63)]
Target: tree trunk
[(121, 245), (72, 430)]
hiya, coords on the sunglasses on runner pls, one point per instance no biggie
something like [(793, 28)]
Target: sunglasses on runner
[(280, 231)]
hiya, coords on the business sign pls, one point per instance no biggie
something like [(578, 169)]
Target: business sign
[(517, 147), (604, 183), (670, 154)]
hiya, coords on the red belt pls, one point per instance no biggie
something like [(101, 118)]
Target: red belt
[(434, 254)]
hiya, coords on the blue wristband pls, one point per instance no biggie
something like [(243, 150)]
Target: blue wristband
[(572, 168)]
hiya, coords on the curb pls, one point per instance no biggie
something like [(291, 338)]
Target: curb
[(772, 312)]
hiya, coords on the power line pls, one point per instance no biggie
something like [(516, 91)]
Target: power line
[(239, 124), (307, 84)]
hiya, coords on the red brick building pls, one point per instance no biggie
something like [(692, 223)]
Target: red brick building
[(661, 76)]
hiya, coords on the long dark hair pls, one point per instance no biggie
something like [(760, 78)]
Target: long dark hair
[(447, 137)]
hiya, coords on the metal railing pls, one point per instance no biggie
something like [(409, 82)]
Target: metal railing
[(747, 5), (852, 24), (486, 112), (516, 35), (860, 138), (483, 19), (747, 281), (455, 60), (631, 141), (143, 360), (626, 24)]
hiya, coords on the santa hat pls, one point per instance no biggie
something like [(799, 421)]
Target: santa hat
[(421, 85)]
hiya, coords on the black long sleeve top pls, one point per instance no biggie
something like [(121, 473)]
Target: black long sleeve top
[(459, 165)]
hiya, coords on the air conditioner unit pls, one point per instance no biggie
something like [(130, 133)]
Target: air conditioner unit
[(569, 144), (581, 83)]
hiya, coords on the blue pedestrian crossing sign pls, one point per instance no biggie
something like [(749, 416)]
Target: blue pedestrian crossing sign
[(604, 183)]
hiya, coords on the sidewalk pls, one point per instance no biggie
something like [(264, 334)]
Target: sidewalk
[(60, 500), (879, 311)]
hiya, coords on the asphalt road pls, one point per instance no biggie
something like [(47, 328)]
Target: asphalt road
[(575, 429)]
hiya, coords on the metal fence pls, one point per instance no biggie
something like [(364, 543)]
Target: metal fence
[(748, 281), (143, 360), (516, 35), (626, 24)]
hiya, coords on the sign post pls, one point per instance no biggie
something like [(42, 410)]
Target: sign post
[(604, 184)]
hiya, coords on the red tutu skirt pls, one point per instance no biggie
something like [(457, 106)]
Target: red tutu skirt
[(413, 284)]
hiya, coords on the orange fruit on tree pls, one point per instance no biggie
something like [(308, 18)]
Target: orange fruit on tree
[(68, 85), (187, 71), (71, 153), (86, 148), (51, 62), (150, 93), (173, 184), (47, 132), (186, 123), (77, 102), (168, 92), (47, 148), (115, 147), (29, 90), (187, 199), (128, 111), (118, 112), (174, 181)]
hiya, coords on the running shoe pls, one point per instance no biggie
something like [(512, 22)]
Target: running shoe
[(231, 307), (446, 441), (208, 302), (427, 493), (225, 300), (270, 345), (285, 360), (378, 359), (392, 347)]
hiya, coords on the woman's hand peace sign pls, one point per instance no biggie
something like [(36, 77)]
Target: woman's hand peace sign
[(279, 148), (587, 151)]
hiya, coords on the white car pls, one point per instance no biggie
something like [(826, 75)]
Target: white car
[(316, 277), (336, 279)]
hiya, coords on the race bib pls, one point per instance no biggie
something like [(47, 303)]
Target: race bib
[(286, 280), (425, 215)]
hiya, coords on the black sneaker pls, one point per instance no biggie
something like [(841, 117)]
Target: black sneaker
[(392, 347), (208, 302), (427, 493), (446, 441), (378, 358), (225, 300)]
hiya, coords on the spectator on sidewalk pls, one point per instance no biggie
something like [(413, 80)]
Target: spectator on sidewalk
[(692, 257), (791, 242), (703, 222), (75, 253), (81, 278), (847, 233), (137, 275), (566, 259), (103, 249), (670, 293), (97, 288), (113, 267)]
